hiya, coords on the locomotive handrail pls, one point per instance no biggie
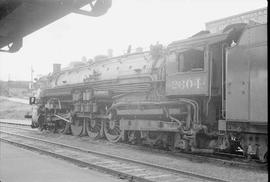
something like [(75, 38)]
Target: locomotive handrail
[(112, 81), (191, 102), (210, 81), (103, 85), (135, 76), (223, 59)]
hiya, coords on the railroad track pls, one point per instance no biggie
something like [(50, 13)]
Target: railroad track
[(223, 161), (133, 170), (12, 123), (17, 126)]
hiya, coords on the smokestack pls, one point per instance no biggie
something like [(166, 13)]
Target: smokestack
[(56, 68), (139, 49), (129, 49), (110, 53)]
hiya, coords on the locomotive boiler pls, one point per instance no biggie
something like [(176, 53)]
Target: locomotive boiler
[(206, 93)]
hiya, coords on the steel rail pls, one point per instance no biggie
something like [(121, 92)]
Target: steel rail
[(168, 169), (192, 156), (75, 161), (19, 124), (19, 128)]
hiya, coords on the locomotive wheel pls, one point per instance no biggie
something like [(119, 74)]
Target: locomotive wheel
[(67, 129), (134, 137), (77, 127), (152, 138), (63, 127), (40, 122), (112, 130), (50, 126), (60, 126), (94, 128), (263, 157)]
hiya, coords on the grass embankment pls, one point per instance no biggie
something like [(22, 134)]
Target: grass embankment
[(13, 110)]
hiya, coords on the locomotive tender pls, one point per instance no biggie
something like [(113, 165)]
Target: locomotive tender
[(202, 94)]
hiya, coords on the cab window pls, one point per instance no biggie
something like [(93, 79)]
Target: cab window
[(172, 63), (191, 60)]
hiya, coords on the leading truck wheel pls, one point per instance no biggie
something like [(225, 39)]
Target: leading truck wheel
[(94, 128), (263, 157), (153, 137), (77, 127), (41, 121), (63, 127), (112, 130)]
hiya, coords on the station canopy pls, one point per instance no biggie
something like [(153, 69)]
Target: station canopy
[(19, 18)]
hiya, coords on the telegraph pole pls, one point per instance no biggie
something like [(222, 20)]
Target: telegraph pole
[(8, 84), (31, 83)]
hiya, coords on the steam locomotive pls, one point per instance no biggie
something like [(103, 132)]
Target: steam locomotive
[(206, 93)]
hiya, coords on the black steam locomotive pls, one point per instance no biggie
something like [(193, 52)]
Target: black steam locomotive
[(206, 93)]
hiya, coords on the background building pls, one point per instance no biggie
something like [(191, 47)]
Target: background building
[(255, 16)]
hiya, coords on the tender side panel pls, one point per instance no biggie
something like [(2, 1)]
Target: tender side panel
[(237, 84), (258, 77), (246, 88)]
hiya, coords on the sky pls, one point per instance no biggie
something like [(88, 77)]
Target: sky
[(138, 23)]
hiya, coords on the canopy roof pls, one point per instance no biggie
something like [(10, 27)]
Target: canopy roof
[(19, 18)]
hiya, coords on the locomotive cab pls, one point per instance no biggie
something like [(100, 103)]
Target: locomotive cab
[(193, 71), (225, 75), (187, 72)]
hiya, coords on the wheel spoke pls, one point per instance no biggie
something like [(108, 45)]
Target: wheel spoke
[(117, 130), (114, 133), (94, 128)]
